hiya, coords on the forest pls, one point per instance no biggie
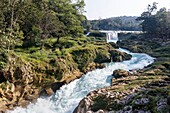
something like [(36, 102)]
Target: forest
[(30, 22), (127, 23)]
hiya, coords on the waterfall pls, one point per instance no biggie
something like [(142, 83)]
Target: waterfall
[(111, 36), (67, 98)]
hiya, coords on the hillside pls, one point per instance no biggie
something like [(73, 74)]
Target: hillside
[(117, 23)]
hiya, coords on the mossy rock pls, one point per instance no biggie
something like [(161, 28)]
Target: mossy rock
[(114, 45), (117, 56), (83, 57), (100, 102), (102, 55)]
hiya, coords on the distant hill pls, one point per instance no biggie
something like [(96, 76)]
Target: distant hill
[(117, 23)]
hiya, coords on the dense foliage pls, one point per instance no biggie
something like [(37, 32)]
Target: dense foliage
[(32, 21), (155, 23), (116, 23)]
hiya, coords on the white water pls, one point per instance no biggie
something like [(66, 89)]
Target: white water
[(67, 98), (111, 36)]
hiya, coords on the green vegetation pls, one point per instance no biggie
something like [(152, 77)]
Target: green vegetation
[(153, 91), (156, 25), (39, 20), (152, 81), (39, 35)]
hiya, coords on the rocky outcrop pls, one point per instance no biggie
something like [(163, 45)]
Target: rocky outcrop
[(51, 89), (93, 66), (117, 56), (17, 95), (17, 71), (18, 90), (128, 94), (121, 73)]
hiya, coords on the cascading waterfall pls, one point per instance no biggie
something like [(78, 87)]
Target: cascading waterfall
[(111, 36), (67, 98)]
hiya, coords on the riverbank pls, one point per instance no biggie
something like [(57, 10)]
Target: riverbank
[(27, 73), (146, 90)]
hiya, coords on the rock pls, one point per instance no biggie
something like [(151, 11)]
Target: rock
[(118, 56), (56, 86), (127, 109), (168, 100), (120, 73), (162, 106), (46, 92), (142, 101), (127, 99), (153, 72), (114, 45), (49, 90), (93, 66), (18, 71), (100, 111), (141, 111), (83, 107), (1, 111)]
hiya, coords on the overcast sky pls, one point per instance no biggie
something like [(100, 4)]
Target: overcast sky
[(96, 9)]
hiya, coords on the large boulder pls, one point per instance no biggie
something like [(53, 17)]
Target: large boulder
[(121, 73), (118, 56)]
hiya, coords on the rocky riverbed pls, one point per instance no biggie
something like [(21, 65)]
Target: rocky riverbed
[(142, 91), (133, 93)]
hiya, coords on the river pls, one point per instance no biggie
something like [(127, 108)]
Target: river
[(68, 97)]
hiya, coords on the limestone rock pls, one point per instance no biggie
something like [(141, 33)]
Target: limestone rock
[(121, 73), (49, 90), (118, 56), (17, 71)]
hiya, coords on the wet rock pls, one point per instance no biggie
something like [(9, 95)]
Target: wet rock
[(93, 66), (56, 86), (120, 73), (49, 90)]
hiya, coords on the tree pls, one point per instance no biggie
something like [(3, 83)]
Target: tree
[(41, 19), (149, 21), (157, 24)]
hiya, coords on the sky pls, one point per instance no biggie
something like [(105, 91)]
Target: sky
[(101, 9)]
